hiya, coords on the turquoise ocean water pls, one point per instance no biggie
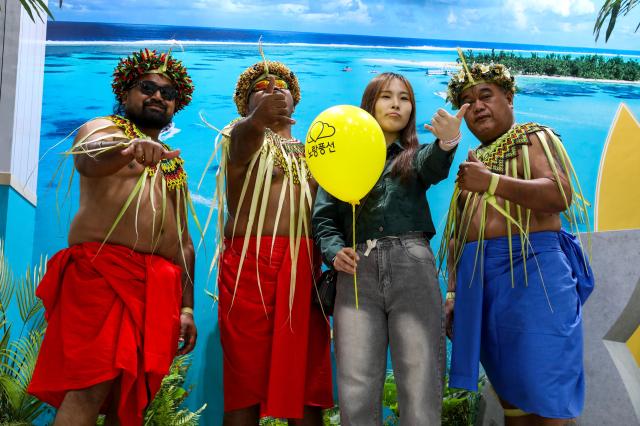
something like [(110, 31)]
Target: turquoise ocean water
[(77, 88)]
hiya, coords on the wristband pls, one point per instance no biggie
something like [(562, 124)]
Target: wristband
[(493, 184), (186, 310), (453, 141)]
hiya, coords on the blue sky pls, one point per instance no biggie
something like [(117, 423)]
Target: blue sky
[(550, 22)]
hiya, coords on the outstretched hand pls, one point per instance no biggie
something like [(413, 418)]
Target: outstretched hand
[(148, 152), (445, 126)]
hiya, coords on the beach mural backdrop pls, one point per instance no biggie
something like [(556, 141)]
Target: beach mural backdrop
[(333, 69)]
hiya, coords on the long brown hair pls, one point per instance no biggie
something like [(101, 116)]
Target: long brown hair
[(403, 164)]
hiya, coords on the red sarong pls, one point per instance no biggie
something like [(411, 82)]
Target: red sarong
[(280, 359), (117, 315)]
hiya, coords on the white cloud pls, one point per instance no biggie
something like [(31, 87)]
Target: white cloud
[(337, 3), (523, 9), (81, 7), (330, 11), (584, 7), (569, 27), (464, 18), (221, 6), (337, 11), (75, 8), (451, 19), (293, 8), (558, 7)]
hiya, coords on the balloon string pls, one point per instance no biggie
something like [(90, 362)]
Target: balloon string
[(353, 233)]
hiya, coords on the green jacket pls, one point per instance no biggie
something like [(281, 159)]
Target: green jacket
[(392, 207)]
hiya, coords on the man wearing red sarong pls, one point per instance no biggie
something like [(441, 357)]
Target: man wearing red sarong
[(119, 300), (275, 341)]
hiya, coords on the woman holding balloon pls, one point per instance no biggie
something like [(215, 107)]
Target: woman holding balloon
[(397, 303)]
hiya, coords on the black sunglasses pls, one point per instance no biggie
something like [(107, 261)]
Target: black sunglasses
[(168, 93)]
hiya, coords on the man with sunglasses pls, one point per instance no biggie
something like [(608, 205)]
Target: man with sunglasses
[(119, 300), (275, 341)]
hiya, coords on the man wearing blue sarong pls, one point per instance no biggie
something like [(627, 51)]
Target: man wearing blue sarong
[(518, 280)]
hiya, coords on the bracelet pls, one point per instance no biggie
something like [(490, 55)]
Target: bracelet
[(453, 141), (451, 295), (186, 310), (493, 184)]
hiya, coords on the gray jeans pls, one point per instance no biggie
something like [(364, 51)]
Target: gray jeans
[(400, 306)]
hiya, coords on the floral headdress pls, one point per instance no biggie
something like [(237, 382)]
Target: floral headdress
[(257, 70), (132, 68), (478, 73)]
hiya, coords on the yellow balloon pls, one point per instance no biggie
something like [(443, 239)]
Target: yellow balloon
[(345, 150)]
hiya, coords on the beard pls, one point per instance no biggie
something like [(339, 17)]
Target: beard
[(149, 118)]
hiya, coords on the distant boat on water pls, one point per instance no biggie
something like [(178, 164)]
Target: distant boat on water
[(436, 71)]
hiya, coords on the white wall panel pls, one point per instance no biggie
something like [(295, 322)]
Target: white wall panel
[(28, 106), (10, 16), (21, 95)]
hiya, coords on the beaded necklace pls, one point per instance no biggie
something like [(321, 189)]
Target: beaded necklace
[(280, 147), (172, 169), (495, 156)]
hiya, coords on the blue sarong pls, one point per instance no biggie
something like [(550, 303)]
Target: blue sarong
[(528, 336)]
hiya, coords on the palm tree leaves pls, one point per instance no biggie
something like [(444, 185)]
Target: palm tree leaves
[(610, 10), (18, 356), (18, 359), (29, 305), (6, 291), (218, 203), (38, 8), (6, 283), (165, 409)]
